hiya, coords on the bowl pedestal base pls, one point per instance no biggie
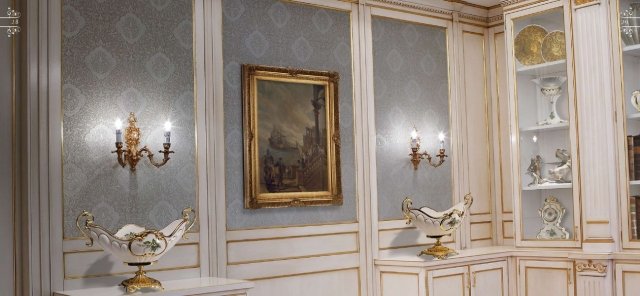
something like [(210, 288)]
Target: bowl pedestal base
[(141, 280), (438, 251)]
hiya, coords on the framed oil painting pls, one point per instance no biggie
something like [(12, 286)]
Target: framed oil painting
[(291, 137)]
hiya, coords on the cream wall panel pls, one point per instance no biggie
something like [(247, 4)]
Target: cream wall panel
[(100, 263), (500, 94), (394, 238), (399, 283), (252, 234), (279, 248), (106, 281), (281, 268), (481, 231), (596, 121), (334, 283)]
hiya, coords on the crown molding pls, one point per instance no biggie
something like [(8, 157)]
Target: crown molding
[(482, 20)]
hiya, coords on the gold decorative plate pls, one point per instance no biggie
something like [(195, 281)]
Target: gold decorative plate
[(528, 45), (553, 47)]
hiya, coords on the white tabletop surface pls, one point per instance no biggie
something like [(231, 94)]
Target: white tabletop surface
[(171, 288)]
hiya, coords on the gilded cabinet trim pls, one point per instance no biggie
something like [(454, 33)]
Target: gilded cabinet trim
[(591, 266)]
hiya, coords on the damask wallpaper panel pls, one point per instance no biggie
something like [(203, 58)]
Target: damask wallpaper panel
[(136, 56), (411, 88), (277, 33)]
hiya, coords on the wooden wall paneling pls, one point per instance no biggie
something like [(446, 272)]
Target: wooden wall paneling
[(596, 127), (474, 84), (501, 140)]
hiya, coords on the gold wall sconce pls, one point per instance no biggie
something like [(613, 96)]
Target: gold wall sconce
[(131, 155), (417, 156)]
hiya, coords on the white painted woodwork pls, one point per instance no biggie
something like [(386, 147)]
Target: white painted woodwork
[(477, 138), (449, 282), (549, 278), (239, 252), (627, 279), (596, 123), (594, 283), (279, 268), (399, 283), (339, 283), (188, 287), (489, 279)]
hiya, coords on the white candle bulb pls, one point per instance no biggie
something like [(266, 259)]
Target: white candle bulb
[(415, 141), (118, 125), (167, 132), (441, 138)]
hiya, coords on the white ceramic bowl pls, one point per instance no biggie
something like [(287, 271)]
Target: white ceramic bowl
[(134, 244), (436, 224)]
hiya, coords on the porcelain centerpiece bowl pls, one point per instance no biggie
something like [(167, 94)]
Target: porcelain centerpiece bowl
[(136, 245), (437, 224)]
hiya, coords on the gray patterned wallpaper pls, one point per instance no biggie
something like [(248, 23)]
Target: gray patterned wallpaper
[(132, 57), (411, 88), (277, 33)]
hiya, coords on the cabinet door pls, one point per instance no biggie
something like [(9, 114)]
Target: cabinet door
[(627, 279), (449, 282), (489, 279), (548, 278)]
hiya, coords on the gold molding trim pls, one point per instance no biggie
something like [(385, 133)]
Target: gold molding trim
[(415, 6), (597, 222), (598, 240), (232, 263), (289, 237), (304, 273), (582, 2), (590, 266)]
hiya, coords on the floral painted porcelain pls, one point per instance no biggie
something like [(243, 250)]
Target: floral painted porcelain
[(136, 245), (437, 224)]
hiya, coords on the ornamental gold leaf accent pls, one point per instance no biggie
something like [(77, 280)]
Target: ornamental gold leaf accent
[(590, 266)]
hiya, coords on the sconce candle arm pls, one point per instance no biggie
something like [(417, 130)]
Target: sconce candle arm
[(440, 155), (166, 151)]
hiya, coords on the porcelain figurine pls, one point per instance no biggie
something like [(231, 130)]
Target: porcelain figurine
[(437, 224), (535, 171), (561, 173), (136, 245)]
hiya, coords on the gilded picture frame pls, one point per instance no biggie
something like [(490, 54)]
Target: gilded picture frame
[(291, 137)]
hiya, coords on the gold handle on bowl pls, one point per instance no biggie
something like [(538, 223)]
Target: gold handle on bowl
[(85, 228), (186, 214)]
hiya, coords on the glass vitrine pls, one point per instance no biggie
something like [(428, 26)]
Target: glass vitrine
[(628, 24), (543, 135)]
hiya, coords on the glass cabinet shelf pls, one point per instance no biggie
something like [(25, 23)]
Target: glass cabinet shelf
[(544, 68), (543, 114)]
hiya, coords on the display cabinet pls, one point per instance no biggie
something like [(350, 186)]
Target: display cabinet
[(626, 22), (543, 126)]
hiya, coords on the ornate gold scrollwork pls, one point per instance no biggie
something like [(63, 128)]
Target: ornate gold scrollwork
[(590, 266)]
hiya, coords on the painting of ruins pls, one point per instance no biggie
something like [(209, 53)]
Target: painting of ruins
[(292, 138)]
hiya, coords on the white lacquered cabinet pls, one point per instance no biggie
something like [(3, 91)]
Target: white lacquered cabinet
[(543, 133), (489, 279), (449, 282), (627, 279), (548, 278), (484, 279)]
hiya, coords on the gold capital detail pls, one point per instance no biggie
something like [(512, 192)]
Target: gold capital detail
[(590, 266)]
